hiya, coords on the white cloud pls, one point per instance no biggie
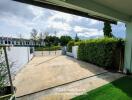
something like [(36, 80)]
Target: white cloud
[(21, 18), (81, 29), (61, 16), (60, 33), (93, 22), (15, 21), (37, 11), (92, 33), (60, 26), (78, 29)]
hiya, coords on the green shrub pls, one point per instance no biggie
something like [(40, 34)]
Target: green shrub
[(101, 52), (77, 43), (52, 48), (69, 46), (3, 69)]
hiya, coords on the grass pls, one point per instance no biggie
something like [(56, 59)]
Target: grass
[(120, 89)]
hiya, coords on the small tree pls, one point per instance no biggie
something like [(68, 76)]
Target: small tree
[(41, 38), (64, 40), (107, 30), (49, 40), (69, 46), (46, 40), (76, 38), (34, 34)]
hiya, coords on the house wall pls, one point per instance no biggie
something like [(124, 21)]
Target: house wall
[(18, 57), (128, 48)]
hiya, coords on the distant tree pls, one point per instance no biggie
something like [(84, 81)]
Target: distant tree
[(34, 34), (56, 40), (64, 40), (46, 34), (76, 38), (48, 40), (55, 33), (40, 35), (41, 38), (52, 40), (107, 30)]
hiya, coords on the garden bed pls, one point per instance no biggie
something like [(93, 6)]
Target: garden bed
[(5, 93)]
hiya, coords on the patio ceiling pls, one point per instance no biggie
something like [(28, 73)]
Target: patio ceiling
[(105, 10), (123, 6)]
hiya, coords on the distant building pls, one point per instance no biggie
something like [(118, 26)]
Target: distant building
[(20, 42)]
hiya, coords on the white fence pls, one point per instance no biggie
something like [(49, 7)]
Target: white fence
[(48, 53), (19, 56), (74, 52)]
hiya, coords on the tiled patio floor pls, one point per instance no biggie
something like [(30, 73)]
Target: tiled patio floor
[(49, 71)]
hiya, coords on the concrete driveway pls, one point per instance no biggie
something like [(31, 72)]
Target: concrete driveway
[(49, 71)]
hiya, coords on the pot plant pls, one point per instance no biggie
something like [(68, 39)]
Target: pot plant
[(6, 89)]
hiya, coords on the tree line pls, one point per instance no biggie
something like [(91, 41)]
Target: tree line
[(50, 40), (63, 40)]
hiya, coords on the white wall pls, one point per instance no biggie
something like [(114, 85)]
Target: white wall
[(75, 51), (69, 54), (18, 57)]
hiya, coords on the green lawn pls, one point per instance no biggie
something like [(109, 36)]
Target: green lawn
[(120, 89)]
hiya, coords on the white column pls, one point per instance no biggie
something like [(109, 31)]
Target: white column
[(128, 48)]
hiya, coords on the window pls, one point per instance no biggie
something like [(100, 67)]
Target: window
[(5, 42)]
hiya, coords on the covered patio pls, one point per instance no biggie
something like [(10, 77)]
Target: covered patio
[(104, 10), (110, 11)]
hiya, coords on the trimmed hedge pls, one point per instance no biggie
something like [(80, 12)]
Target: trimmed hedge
[(77, 43), (102, 52), (52, 48), (69, 46)]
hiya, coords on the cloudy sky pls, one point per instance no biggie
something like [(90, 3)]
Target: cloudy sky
[(17, 18)]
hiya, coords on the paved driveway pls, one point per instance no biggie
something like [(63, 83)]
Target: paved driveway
[(49, 71)]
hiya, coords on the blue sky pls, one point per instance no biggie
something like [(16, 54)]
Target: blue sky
[(17, 18)]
